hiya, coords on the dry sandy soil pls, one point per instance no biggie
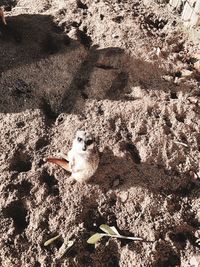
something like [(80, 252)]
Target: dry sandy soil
[(124, 70)]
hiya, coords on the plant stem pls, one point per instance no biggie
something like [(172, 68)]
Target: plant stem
[(124, 237)]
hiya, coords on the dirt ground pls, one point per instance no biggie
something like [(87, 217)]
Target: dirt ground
[(125, 71)]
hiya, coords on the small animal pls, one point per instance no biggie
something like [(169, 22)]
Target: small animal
[(2, 16), (82, 160)]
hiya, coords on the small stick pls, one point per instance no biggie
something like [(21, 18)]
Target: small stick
[(180, 143), (2, 16)]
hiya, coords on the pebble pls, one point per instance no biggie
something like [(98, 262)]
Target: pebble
[(124, 196)]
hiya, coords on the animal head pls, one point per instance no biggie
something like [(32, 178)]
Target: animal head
[(83, 142)]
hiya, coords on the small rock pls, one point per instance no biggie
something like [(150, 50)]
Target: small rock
[(167, 78), (124, 196), (73, 34), (157, 51), (177, 80), (137, 92), (186, 73), (197, 234), (195, 261), (197, 65), (193, 99)]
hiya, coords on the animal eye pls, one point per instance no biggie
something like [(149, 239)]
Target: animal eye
[(79, 139), (89, 142)]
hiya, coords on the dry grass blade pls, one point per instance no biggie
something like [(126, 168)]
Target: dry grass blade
[(107, 229), (51, 240), (180, 143), (94, 238), (110, 232), (64, 248)]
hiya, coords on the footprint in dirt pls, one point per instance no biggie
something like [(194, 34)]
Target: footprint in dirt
[(18, 213)]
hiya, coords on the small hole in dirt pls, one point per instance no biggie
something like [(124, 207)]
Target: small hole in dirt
[(81, 5), (113, 201), (118, 19), (104, 67), (173, 261), (185, 190), (100, 111), (55, 191), (49, 179), (24, 188), (20, 124), (84, 38), (42, 142), (18, 213), (8, 5), (93, 220), (51, 183), (101, 16), (75, 24), (48, 111), (173, 95), (178, 74), (168, 122), (183, 138), (178, 237), (21, 162), (132, 149), (84, 95), (180, 118), (37, 264), (152, 22), (60, 119), (58, 243), (194, 222)]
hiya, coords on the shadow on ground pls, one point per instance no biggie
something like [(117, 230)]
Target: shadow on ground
[(41, 67)]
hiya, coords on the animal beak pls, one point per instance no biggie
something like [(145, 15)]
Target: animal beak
[(84, 148)]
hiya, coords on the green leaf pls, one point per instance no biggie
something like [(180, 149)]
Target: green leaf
[(51, 240), (107, 229), (94, 238), (114, 230)]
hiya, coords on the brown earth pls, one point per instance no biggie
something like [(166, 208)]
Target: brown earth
[(123, 70)]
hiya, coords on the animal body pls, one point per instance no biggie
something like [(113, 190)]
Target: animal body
[(82, 160)]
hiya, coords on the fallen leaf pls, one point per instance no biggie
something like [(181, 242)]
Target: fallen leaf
[(107, 229), (94, 238), (115, 230)]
